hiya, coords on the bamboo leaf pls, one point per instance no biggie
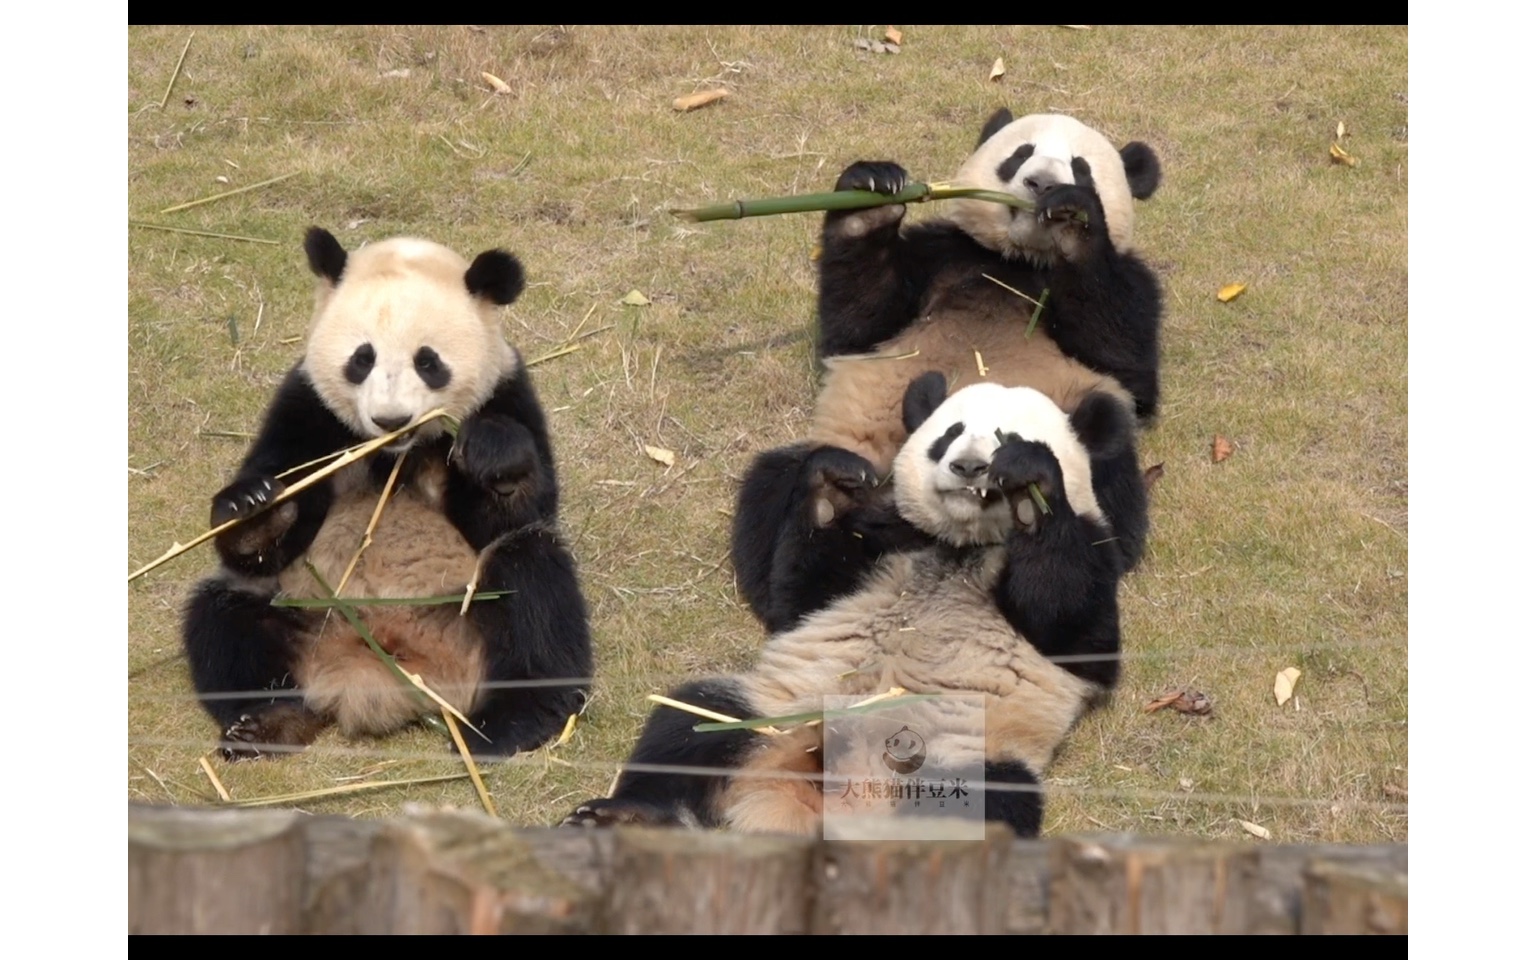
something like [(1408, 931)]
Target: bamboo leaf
[(808, 717)]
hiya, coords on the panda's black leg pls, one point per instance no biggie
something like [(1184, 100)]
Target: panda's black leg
[(669, 740), (1010, 793), (1060, 582), (538, 648), (1023, 806), (239, 648), (809, 522)]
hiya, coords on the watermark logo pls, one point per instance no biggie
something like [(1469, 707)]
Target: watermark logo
[(907, 768), (905, 751)]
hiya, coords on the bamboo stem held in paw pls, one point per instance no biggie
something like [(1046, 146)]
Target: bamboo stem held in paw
[(846, 200)]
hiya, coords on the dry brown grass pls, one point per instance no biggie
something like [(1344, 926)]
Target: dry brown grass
[(1291, 553)]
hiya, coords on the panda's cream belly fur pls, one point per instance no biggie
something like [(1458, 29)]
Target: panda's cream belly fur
[(859, 406), (921, 623), (415, 552)]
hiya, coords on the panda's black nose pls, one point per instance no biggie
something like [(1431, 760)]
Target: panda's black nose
[(968, 467), (391, 424)]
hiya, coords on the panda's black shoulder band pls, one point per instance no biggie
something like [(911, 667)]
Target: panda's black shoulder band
[(327, 257), (495, 275)]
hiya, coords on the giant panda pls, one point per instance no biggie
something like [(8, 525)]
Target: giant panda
[(956, 295), (400, 328), (982, 594)]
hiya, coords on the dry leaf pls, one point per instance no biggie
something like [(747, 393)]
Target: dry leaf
[(997, 69), (497, 84), (1339, 156), (1073, 26), (893, 35), (634, 298), (1186, 784), (1229, 292), (1154, 473), (816, 252), (1196, 703), (701, 99), (1255, 829), (661, 455), (1184, 701), (1221, 448), (1285, 684), (1162, 701), (981, 368), (1339, 135)]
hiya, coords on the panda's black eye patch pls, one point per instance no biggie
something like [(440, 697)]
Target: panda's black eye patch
[(1009, 167), (430, 367), (941, 445), (360, 364)]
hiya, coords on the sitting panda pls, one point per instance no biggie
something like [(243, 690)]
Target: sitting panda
[(400, 328), (983, 594), (957, 295)]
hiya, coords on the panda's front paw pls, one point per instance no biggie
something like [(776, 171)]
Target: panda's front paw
[(837, 481), (613, 813), (1075, 218), (269, 731), (1023, 468), (251, 545), (497, 454), (245, 497), (876, 177)]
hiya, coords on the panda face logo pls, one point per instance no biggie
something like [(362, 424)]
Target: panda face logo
[(905, 751)]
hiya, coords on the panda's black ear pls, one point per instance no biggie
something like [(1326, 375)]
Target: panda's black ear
[(996, 122), (1141, 169), (1103, 424), (495, 276), (327, 257), (924, 395)]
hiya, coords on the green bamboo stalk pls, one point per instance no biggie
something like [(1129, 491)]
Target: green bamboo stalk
[(846, 200), (334, 603)]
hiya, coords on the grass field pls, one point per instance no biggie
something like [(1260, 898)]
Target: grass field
[(1290, 553)]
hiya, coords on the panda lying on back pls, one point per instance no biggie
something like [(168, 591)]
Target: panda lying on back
[(400, 328), (955, 295), (978, 590)]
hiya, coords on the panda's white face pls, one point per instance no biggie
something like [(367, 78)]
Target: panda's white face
[(401, 335), (942, 485), (1026, 157)]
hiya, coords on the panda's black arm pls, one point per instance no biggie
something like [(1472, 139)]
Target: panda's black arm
[(297, 429), (788, 564), (503, 475), (1060, 582), (1059, 588), (538, 647), (1124, 297), (872, 277)]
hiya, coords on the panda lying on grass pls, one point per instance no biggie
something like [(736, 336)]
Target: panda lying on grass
[(970, 587)]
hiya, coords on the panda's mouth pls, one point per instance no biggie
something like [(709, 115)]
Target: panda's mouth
[(983, 496)]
